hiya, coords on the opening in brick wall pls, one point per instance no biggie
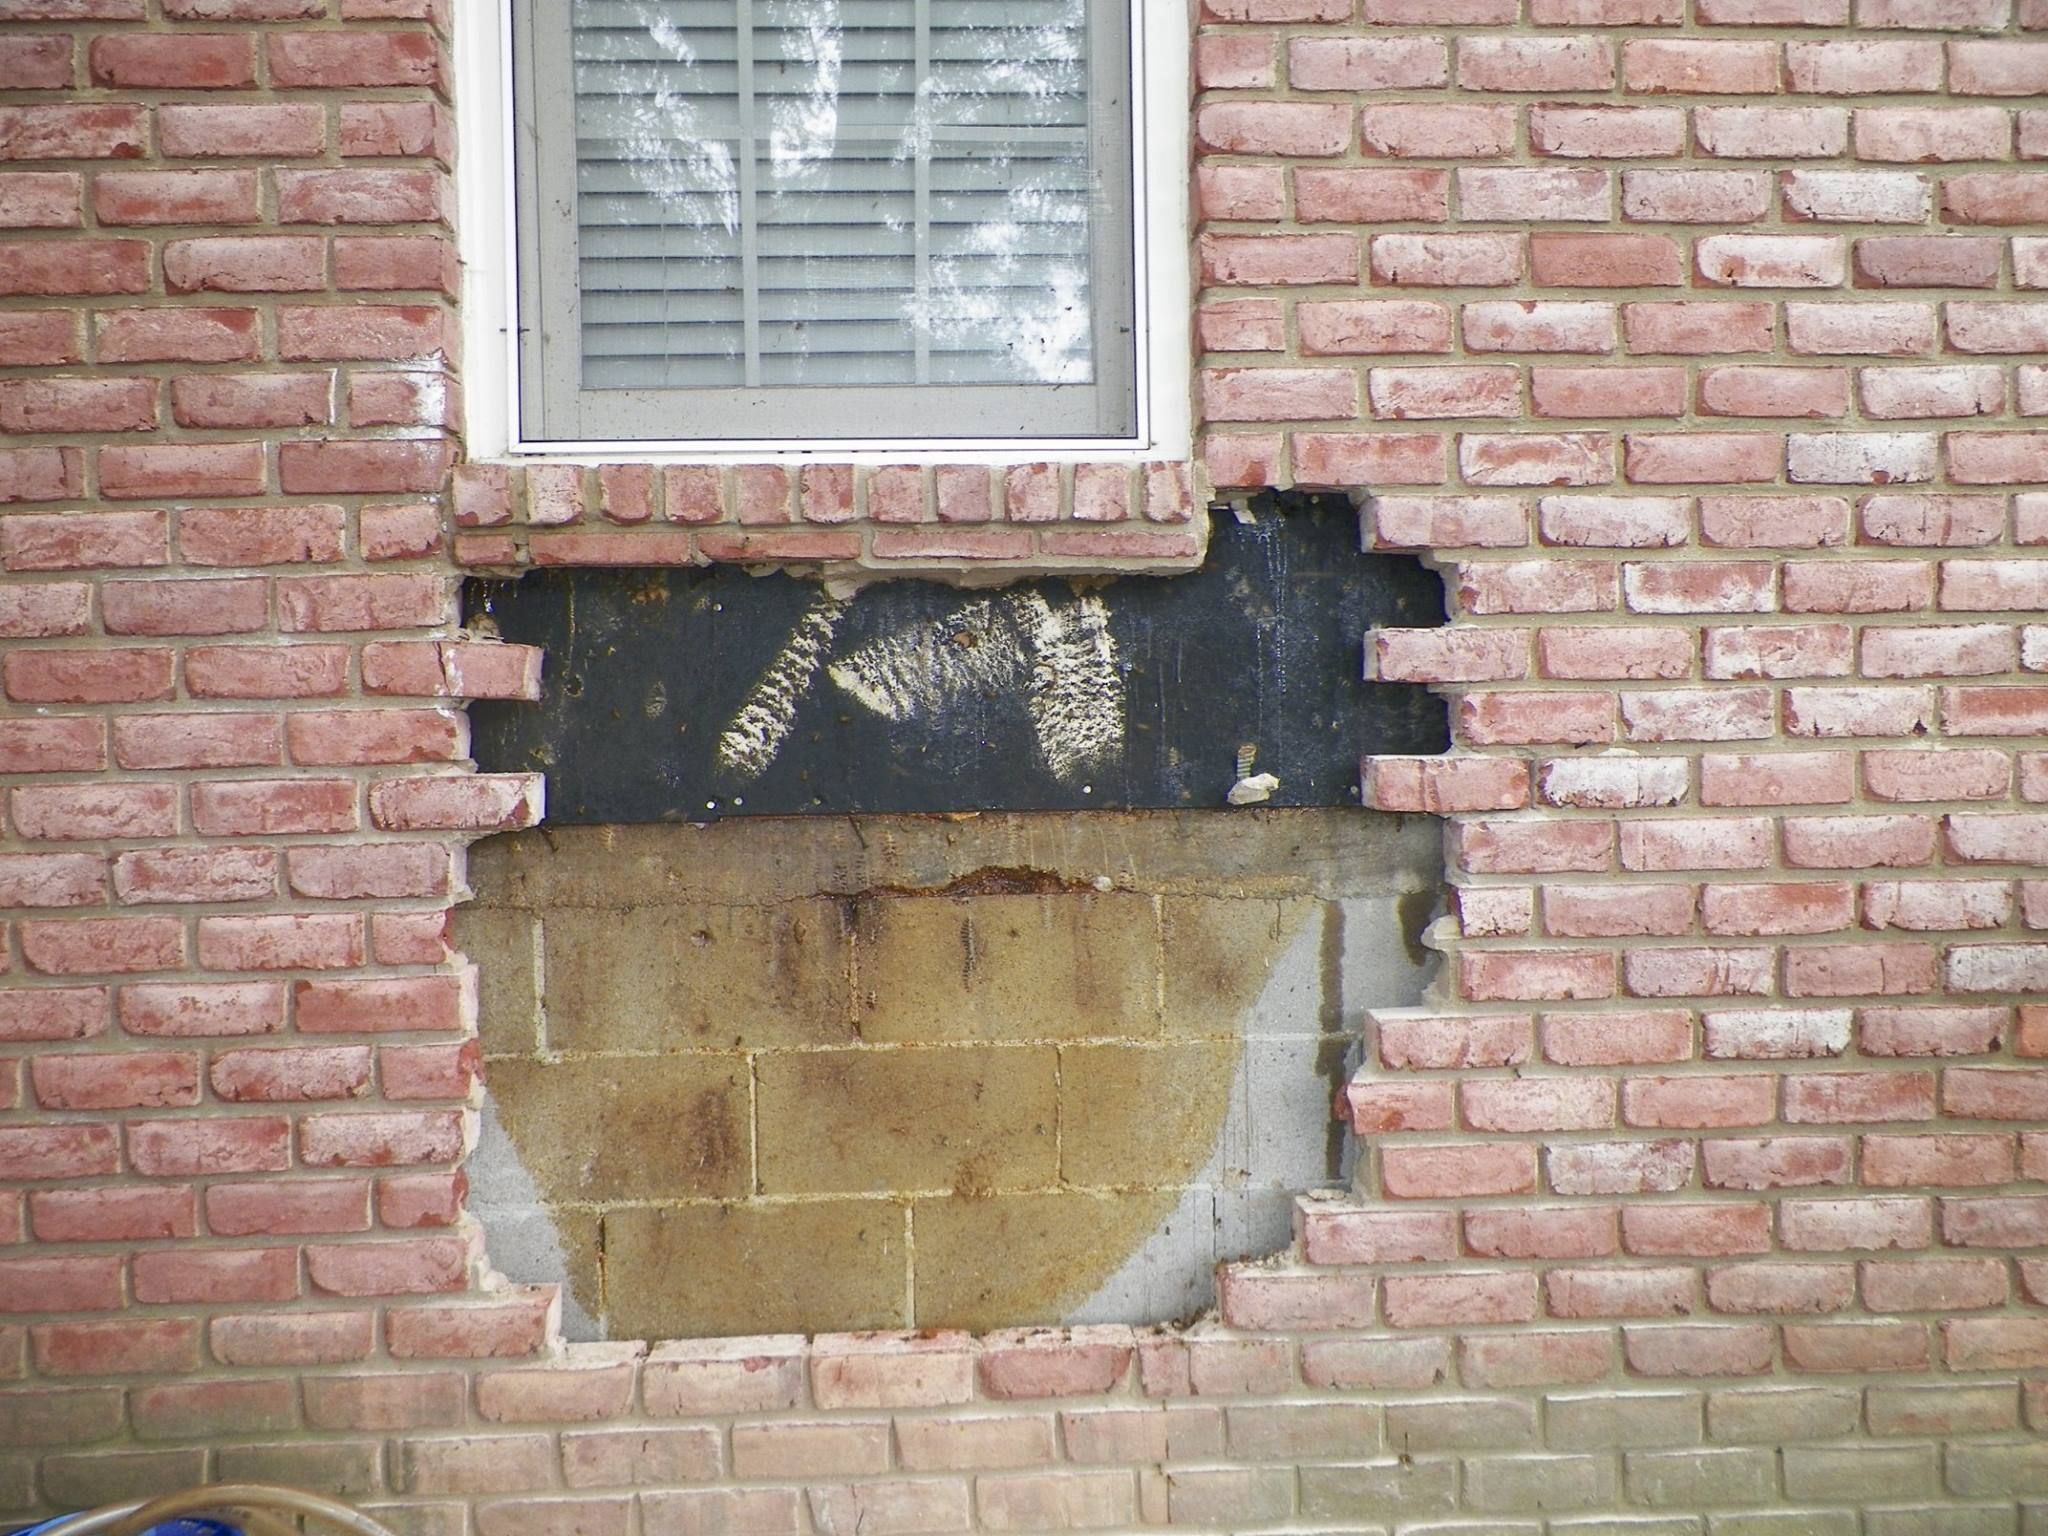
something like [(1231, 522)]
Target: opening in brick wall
[(891, 1068)]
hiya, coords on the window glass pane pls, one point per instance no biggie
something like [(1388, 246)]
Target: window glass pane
[(833, 192)]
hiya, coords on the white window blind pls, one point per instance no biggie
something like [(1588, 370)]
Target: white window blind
[(784, 216)]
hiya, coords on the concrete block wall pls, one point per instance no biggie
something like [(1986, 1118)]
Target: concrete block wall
[(1694, 341), (1004, 1069)]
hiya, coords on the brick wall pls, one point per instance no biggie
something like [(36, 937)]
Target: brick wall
[(1709, 1187)]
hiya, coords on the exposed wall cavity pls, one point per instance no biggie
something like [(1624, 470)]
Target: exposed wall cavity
[(830, 1073)]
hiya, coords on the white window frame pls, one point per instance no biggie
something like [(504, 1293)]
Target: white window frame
[(1161, 36)]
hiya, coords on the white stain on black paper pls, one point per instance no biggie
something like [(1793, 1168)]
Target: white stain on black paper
[(1060, 659)]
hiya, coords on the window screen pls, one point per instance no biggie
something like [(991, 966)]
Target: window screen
[(757, 219)]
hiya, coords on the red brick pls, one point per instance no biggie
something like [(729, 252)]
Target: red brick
[(1618, 912), (1547, 193), (1226, 191), (88, 946), (124, 1347), (1998, 68), (509, 1327), (1559, 1104), (1290, 128), (1852, 842), (1604, 260), (1529, 325), (2014, 1222), (1694, 196), (1930, 1031), (407, 531), (244, 807), (198, 130), (100, 131), (160, 61), (41, 200), (327, 1072), (1777, 908), (36, 63), (1859, 1347), (1634, 1292), (414, 1200), (1841, 1098), (1535, 63), (1607, 392), (1420, 1041), (288, 1207), (360, 196), (1776, 779), (1345, 1236), (1238, 325), (39, 474), (1698, 1101), (1719, 67), (392, 263), (1695, 1230), (1611, 652), (214, 1407), (1694, 458), (252, 400), (412, 1266), (112, 1215), (1608, 1039), (1461, 259), (1780, 1162), (195, 874), (1436, 131), (1446, 1172), (282, 942), (266, 671), (1440, 1300), (1261, 260), (1278, 394), (1855, 197), (364, 871), (1352, 459), (1366, 64), (1703, 1350), (191, 740), (185, 1148), (30, 338), (1863, 1223), (452, 669), (379, 1140), (176, 197), (74, 267), (1952, 1160), (309, 468), (1239, 61), (127, 676), (180, 469), (1606, 132), (1691, 327), (1444, 785), (1781, 1289), (1512, 847), (259, 535), (314, 59), (214, 1275), (303, 1338), (1378, 1108), (1927, 261), (374, 128)]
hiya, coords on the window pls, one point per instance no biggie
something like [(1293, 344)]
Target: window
[(840, 225)]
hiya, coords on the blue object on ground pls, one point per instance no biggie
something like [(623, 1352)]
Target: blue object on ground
[(181, 1527)]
